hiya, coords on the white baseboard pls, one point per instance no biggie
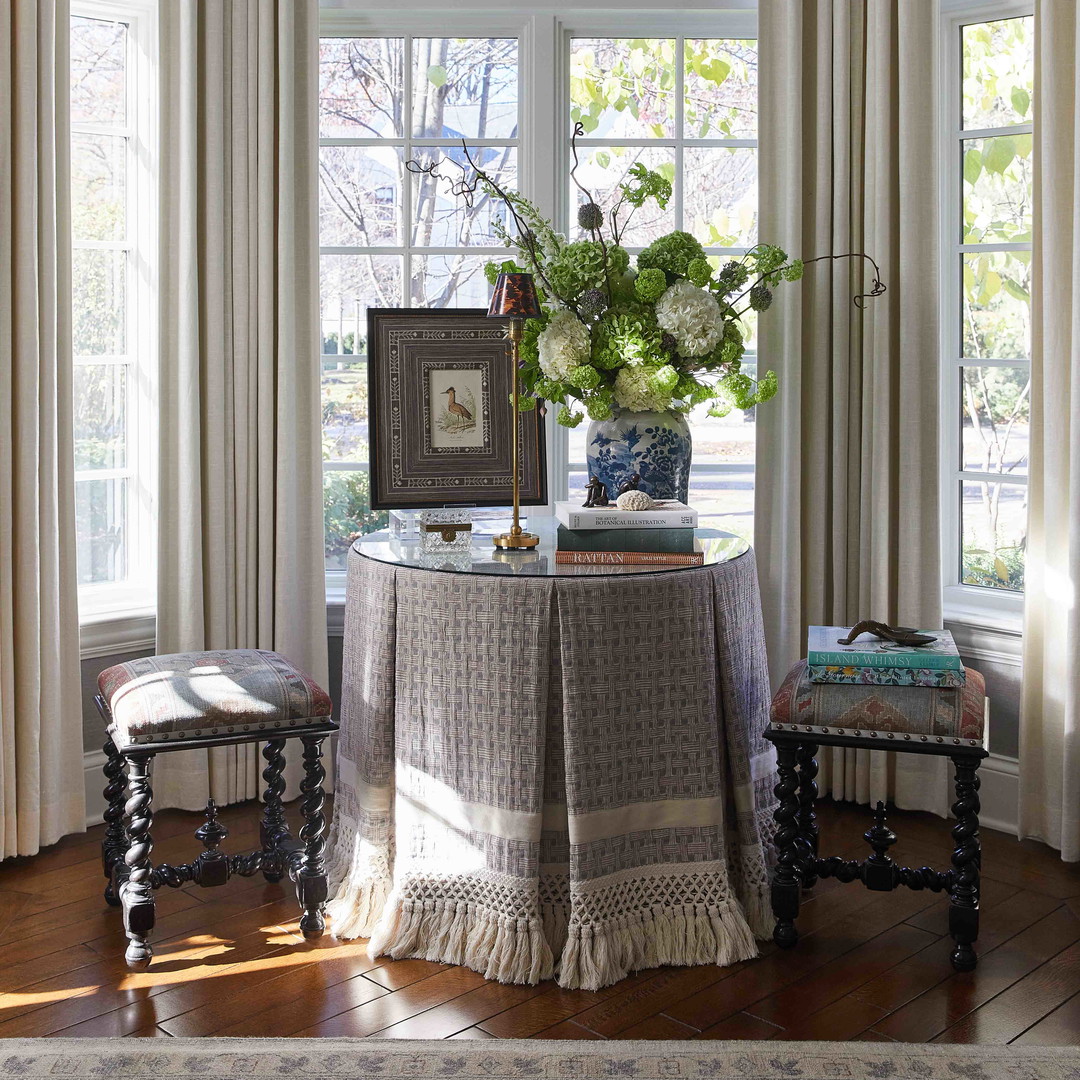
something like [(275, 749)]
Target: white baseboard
[(999, 793)]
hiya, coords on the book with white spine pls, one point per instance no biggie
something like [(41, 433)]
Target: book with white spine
[(664, 514)]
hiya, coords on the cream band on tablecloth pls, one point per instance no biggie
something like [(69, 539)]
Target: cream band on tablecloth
[(553, 776)]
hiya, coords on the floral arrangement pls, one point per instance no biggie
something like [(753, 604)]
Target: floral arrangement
[(664, 335)]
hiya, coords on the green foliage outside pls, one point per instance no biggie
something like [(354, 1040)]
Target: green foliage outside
[(347, 513)]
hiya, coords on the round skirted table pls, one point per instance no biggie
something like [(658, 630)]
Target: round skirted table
[(549, 772)]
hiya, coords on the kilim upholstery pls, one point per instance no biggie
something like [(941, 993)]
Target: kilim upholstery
[(191, 695), (159, 704), (941, 721), (946, 716)]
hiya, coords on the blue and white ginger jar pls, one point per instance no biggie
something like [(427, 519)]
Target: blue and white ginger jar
[(655, 445)]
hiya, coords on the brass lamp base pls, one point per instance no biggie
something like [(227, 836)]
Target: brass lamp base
[(517, 539)]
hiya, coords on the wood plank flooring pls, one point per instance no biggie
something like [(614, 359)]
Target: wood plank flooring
[(231, 961)]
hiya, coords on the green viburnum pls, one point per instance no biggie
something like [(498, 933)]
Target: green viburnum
[(581, 265), (664, 380), (672, 253), (699, 272), (599, 404), (569, 419), (634, 390), (738, 389), (733, 275), (648, 185), (767, 387), (720, 408), (650, 284), (548, 389), (584, 377), (793, 271), (526, 403), (768, 257)]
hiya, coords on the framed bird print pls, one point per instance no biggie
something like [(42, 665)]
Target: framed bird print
[(439, 384)]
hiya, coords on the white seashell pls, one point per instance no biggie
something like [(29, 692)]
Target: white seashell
[(634, 500)]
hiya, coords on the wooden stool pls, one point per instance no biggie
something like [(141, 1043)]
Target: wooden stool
[(201, 700), (907, 719)]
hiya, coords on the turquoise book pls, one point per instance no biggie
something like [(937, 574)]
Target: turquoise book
[(823, 650)]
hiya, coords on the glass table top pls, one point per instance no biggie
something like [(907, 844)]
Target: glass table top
[(482, 557)]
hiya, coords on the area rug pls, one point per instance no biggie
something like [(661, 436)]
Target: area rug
[(513, 1059)]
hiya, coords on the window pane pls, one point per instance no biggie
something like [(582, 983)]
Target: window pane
[(100, 392), (359, 196), (361, 87), (720, 195), (442, 218), (98, 71), (99, 295), (720, 88), (345, 409), (994, 418), (100, 525), (994, 524), (465, 88), (996, 316), (348, 286), (725, 500), (98, 187), (347, 513), (999, 66), (603, 169), (450, 280), (997, 190), (623, 87)]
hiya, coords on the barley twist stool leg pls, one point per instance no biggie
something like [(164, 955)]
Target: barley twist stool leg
[(786, 876), (137, 893), (310, 875), (273, 829), (808, 792), (964, 890), (115, 843)]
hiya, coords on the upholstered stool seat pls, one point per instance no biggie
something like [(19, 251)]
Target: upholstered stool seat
[(178, 701), (907, 719)]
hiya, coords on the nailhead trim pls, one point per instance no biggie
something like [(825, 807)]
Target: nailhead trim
[(859, 733)]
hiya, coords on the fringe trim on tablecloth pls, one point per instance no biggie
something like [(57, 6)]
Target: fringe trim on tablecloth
[(360, 880), (597, 956), (506, 948)]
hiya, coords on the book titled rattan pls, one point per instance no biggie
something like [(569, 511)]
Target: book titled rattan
[(630, 558)]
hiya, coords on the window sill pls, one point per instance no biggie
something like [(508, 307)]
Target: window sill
[(107, 633), (982, 609)]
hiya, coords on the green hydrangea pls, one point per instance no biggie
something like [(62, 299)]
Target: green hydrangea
[(672, 253), (580, 266), (664, 380), (635, 392), (768, 258), (568, 418), (528, 349), (584, 377), (793, 271), (599, 405), (699, 272), (492, 270), (626, 337), (768, 384), (525, 402), (650, 284), (737, 388), (548, 389)]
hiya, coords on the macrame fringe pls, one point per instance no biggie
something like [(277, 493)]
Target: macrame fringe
[(500, 947), (554, 920), (359, 879), (757, 907), (596, 957)]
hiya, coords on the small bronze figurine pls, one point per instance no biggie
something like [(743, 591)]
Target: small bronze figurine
[(595, 493), (898, 635), (632, 484)]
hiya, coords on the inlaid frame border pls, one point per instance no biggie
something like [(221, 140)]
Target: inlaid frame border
[(407, 473)]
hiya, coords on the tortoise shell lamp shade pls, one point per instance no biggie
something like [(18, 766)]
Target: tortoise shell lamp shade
[(514, 298)]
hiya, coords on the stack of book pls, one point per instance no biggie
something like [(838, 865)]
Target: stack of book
[(596, 536), (871, 661)]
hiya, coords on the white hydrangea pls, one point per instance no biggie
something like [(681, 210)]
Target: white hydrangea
[(692, 317), (563, 344)]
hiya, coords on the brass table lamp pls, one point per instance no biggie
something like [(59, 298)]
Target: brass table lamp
[(515, 300)]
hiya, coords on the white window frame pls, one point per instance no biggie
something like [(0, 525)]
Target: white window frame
[(680, 25), (967, 604), (121, 614)]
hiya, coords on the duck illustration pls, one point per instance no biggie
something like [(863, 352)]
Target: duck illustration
[(456, 407)]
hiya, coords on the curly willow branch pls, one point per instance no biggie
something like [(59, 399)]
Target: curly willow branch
[(877, 286)]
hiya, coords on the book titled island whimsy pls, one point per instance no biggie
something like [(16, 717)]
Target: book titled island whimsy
[(873, 661)]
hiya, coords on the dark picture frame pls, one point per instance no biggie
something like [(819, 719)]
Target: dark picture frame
[(439, 384)]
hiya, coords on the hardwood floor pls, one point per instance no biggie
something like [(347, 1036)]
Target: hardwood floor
[(231, 961)]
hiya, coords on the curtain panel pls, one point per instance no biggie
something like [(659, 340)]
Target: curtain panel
[(41, 769), (846, 506), (1050, 697), (240, 505)]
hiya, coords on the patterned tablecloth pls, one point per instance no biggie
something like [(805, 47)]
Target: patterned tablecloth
[(553, 776)]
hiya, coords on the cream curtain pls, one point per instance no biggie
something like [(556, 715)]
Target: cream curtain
[(41, 773), (240, 505), (846, 517), (1050, 704)]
